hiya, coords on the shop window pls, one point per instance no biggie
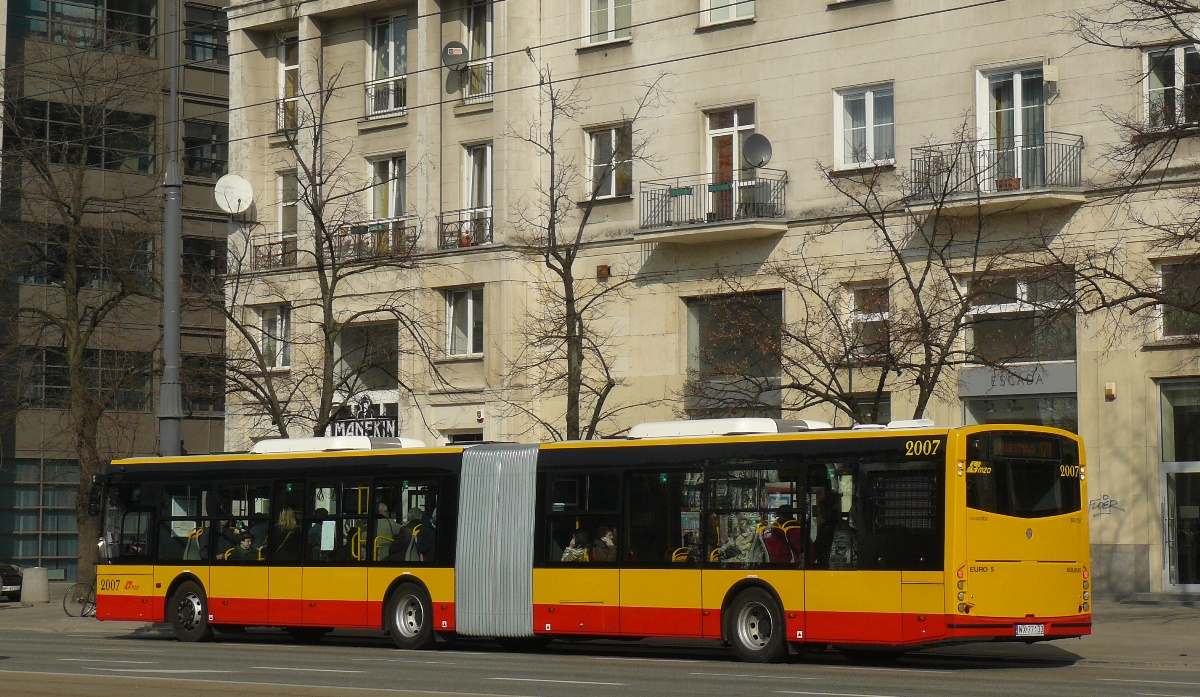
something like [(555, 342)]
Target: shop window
[(1181, 421)]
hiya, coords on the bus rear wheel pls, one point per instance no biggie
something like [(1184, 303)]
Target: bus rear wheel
[(188, 611), (754, 627), (409, 617)]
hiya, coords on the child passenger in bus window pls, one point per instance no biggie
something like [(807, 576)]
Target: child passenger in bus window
[(577, 550)]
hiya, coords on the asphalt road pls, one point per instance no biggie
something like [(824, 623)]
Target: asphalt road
[(148, 661)]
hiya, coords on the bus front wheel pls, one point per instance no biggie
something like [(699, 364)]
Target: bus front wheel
[(409, 617), (754, 627), (188, 612)]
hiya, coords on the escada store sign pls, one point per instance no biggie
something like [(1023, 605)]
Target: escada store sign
[(1044, 378)]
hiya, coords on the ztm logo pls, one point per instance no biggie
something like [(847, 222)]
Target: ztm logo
[(130, 586)]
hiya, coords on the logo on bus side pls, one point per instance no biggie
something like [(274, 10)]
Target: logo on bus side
[(977, 467)]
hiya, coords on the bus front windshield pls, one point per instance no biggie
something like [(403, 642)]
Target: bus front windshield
[(1041, 479)]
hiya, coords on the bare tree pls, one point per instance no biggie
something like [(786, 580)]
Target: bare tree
[(78, 226), (899, 316), (301, 298), (570, 348)]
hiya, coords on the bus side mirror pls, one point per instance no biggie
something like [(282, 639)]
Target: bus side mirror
[(96, 495)]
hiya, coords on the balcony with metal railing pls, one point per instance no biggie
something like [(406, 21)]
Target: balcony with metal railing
[(714, 206), (468, 227), (387, 97), (273, 254), (376, 239), (994, 174), (477, 77)]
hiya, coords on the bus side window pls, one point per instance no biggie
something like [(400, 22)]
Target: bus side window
[(834, 532), (663, 519), (586, 503)]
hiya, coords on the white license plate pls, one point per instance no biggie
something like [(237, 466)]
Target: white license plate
[(1031, 630), (10, 588)]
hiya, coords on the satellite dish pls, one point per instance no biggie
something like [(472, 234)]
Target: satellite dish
[(756, 151), (454, 55), (233, 193)]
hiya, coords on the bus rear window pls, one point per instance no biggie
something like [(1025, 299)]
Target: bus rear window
[(1024, 487)]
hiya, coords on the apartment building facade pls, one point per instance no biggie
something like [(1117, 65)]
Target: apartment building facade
[(90, 77), (990, 125)]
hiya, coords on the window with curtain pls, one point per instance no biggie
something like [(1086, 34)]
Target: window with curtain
[(1173, 86), (868, 125), (609, 20), (465, 313)]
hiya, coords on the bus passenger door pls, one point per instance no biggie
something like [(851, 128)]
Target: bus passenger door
[(334, 581), (238, 580), (285, 554), (660, 574)]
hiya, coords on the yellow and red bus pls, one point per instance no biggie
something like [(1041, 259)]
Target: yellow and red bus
[(770, 536)]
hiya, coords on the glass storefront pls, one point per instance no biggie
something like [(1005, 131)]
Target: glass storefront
[(1059, 411), (1181, 482)]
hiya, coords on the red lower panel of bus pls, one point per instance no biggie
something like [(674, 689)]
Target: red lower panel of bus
[(599, 620)]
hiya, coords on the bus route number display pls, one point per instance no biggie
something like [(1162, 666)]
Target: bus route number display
[(921, 447)]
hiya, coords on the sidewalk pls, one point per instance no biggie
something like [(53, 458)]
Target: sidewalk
[(50, 617)]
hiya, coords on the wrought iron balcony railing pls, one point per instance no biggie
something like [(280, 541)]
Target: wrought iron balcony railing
[(478, 87), (287, 114), (374, 239), (387, 97), (465, 228), (714, 197), (276, 254), (998, 165)]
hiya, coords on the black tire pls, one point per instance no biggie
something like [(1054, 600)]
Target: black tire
[(75, 600), (870, 657), (307, 635), (755, 628), (15, 597), (408, 617), (188, 613)]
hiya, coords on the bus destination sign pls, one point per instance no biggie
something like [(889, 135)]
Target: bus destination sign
[(1025, 448)]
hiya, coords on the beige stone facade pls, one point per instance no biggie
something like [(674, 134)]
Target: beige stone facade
[(791, 71)]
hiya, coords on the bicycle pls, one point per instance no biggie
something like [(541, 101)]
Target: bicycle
[(80, 600)]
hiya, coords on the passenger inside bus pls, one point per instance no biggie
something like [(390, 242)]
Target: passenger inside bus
[(288, 529), (577, 549), (604, 550), (386, 532), (244, 551)]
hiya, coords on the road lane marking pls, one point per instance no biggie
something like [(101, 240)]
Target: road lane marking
[(107, 660), (747, 675), (564, 682), (830, 694), (405, 660), (167, 671), (1152, 682), (892, 670), (128, 650), (306, 670), (1158, 694)]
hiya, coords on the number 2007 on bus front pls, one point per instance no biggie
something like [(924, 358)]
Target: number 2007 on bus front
[(924, 446)]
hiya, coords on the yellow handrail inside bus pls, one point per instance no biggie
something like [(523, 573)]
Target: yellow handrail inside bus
[(379, 539)]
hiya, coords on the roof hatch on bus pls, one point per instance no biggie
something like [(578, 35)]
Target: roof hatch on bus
[(721, 427), (331, 443)]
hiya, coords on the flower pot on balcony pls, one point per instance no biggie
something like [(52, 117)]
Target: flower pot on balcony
[(1008, 184), (464, 240)]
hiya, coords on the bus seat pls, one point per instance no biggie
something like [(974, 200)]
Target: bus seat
[(681, 554), (715, 555)]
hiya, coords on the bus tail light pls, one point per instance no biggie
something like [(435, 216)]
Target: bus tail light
[(1085, 574)]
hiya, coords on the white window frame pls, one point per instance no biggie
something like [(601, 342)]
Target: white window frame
[(285, 203), (739, 10), (1179, 85), (840, 157), (284, 69), (394, 83), (609, 10), (478, 65), (396, 185), (1022, 305), (614, 131), (275, 327), (1161, 318), (468, 351), (470, 179)]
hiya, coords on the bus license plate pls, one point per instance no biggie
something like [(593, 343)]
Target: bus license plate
[(1031, 630)]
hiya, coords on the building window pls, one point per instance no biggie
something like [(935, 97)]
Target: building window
[(611, 161), (121, 141), (872, 408), (867, 126), (387, 81), (1181, 296), (1015, 102), (202, 379), (369, 357), (98, 261), (1016, 319), (288, 107), (735, 335), (609, 20), (206, 34), (388, 188), (126, 26), (275, 324), (205, 148), (289, 204), (479, 176), (869, 320), (1059, 411), (733, 182), (1173, 86), (479, 51), (464, 309), (726, 10), (1181, 421), (202, 263)]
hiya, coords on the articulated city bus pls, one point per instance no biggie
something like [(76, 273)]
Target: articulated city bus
[(769, 536)]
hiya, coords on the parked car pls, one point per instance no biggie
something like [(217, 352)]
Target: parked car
[(10, 576)]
